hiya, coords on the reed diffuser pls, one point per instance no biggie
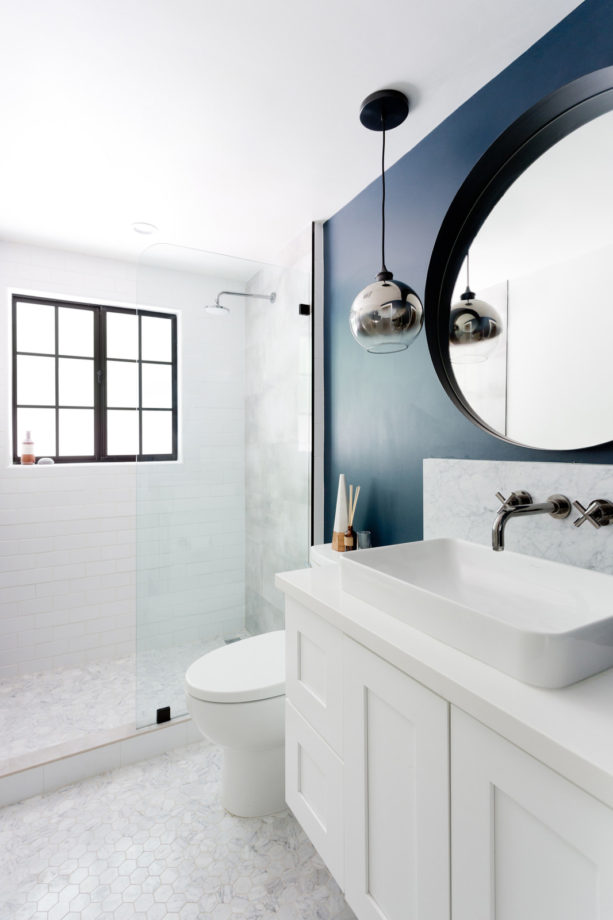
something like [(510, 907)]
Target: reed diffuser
[(341, 518), (351, 540)]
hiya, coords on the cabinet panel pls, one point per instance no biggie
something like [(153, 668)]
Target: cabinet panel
[(396, 792), (314, 789), (526, 843), (314, 671)]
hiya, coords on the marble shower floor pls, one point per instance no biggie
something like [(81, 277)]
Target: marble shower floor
[(152, 842), (40, 711)]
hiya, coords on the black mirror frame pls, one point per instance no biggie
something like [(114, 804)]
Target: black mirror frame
[(518, 147)]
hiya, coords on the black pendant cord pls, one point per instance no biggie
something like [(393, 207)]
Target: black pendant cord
[(468, 295), (383, 111), (383, 267)]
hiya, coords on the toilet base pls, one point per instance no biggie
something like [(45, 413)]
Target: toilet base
[(253, 781)]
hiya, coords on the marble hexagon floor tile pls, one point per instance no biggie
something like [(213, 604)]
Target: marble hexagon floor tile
[(152, 842), (61, 705)]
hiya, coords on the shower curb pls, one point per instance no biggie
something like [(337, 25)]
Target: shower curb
[(22, 780)]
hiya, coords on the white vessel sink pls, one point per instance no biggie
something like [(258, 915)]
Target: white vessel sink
[(545, 623)]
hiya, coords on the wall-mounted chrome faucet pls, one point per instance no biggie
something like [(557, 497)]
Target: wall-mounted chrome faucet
[(521, 504), (599, 513)]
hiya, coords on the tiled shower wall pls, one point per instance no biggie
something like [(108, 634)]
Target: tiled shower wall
[(277, 433), (70, 536)]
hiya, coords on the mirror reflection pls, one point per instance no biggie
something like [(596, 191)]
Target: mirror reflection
[(542, 263)]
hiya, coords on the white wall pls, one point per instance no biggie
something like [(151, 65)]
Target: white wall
[(559, 371), (70, 535)]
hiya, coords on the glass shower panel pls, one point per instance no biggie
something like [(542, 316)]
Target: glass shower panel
[(78, 690), (213, 526), (278, 370)]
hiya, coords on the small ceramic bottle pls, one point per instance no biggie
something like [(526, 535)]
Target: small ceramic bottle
[(27, 450)]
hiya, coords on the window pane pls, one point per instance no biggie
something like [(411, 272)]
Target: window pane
[(35, 327), (76, 378), (35, 380), (122, 335), (121, 384), (157, 432), (157, 386), (76, 433), (122, 433), (41, 422), (75, 331), (157, 339)]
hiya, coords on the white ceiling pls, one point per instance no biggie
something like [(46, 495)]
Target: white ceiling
[(230, 125)]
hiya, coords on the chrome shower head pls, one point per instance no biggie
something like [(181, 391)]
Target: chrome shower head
[(216, 309)]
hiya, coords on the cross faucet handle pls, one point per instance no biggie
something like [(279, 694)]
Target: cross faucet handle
[(599, 513), (584, 516), (514, 499)]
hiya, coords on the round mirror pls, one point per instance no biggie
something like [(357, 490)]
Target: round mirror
[(519, 297)]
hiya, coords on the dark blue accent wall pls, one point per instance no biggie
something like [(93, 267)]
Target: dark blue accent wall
[(385, 413)]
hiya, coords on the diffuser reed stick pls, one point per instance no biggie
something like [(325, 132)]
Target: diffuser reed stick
[(352, 504), (350, 537)]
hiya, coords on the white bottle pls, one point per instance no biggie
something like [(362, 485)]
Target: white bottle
[(27, 450)]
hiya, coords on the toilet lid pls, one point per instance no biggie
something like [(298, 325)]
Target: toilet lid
[(252, 669)]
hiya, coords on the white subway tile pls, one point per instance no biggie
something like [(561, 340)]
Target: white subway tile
[(19, 593), (79, 531)]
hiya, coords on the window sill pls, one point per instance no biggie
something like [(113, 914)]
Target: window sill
[(111, 465)]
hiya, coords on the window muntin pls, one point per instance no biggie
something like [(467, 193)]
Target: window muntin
[(94, 383)]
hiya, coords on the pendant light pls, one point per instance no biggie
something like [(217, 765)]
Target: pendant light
[(474, 326), (387, 315)]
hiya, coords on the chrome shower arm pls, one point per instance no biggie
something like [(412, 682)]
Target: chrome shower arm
[(271, 297)]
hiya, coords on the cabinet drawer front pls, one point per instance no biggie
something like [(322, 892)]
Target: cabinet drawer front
[(396, 792), (314, 789), (525, 841), (313, 657)]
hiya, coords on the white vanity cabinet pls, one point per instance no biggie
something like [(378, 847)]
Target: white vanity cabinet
[(367, 772), (421, 811), (526, 844)]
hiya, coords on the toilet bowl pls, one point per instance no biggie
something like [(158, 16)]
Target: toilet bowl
[(236, 697)]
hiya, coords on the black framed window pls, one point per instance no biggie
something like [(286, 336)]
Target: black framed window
[(94, 382)]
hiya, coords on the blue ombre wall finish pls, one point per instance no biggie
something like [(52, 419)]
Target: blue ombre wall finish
[(385, 414)]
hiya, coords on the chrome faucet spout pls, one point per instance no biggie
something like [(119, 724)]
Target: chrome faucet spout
[(558, 506)]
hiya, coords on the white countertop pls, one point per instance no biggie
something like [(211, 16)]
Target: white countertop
[(323, 554), (570, 730)]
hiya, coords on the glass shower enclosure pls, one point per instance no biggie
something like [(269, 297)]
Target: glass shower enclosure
[(215, 524)]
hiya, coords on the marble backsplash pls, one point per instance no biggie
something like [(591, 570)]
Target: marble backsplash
[(459, 498)]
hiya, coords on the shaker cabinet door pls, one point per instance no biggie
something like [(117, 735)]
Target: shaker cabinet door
[(396, 762), (313, 662), (314, 790), (526, 843)]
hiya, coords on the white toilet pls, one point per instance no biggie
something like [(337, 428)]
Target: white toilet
[(236, 697)]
